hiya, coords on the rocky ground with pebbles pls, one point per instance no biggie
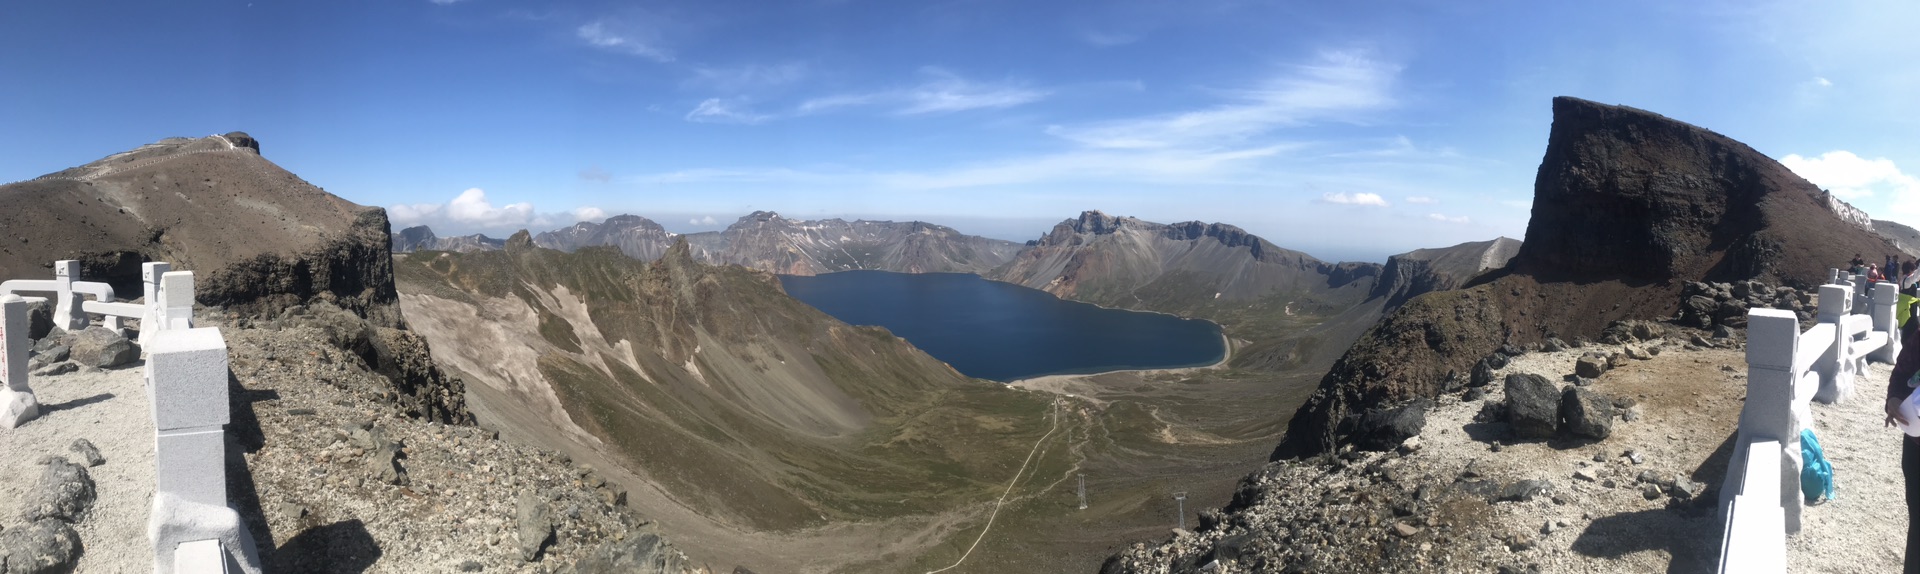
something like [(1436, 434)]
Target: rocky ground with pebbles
[(1473, 493), (332, 469)]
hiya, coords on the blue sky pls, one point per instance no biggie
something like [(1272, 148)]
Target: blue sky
[(1347, 131)]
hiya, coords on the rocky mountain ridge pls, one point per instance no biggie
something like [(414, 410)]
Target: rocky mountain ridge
[(766, 241), (422, 238)]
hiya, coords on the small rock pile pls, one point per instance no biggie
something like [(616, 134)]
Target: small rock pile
[(60, 498), (1708, 305)]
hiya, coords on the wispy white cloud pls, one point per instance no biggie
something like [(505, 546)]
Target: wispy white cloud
[(1108, 39), (942, 92), (1344, 198), (1336, 86), (708, 220), (1822, 82), (716, 111), (1851, 176), (1421, 199), (1443, 218), (445, 2), (747, 77), (470, 209), (588, 213), (617, 36), (596, 174)]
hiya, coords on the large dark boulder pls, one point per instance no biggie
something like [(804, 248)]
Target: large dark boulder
[(1586, 414), (1533, 405), (1385, 429)]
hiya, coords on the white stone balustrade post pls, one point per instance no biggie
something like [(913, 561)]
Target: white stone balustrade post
[(66, 308), (1885, 297), (150, 285), (17, 403), (1860, 300), (1835, 301), (176, 296), (187, 388), (1768, 415)]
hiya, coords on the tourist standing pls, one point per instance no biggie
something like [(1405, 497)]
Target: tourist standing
[(1898, 388)]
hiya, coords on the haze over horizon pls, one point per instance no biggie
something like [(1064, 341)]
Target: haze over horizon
[(1348, 132)]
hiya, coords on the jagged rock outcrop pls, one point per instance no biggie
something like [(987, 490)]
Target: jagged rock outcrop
[(422, 238), (1629, 207), (1423, 271), (638, 237), (1127, 262), (766, 241), (1902, 236)]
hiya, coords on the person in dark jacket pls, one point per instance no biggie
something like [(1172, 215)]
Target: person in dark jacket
[(1904, 370)]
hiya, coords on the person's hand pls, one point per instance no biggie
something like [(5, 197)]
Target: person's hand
[(1893, 412)]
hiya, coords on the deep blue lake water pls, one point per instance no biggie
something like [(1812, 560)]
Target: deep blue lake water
[(1000, 331)]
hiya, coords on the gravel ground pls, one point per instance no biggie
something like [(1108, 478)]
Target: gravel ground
[(109, 409), (1863, 529)]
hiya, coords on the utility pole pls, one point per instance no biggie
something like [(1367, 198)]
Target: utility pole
[(1083, 491), (1181, 497)]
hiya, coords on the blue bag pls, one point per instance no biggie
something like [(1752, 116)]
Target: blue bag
[(1816, 474)]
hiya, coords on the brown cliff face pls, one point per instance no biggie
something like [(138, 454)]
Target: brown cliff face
[(1628, 206)]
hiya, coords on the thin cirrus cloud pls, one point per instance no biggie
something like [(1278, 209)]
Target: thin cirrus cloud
[(718, 111), (942, 92), (1344, 198), (1336, 86), (619, 37), (1444, 218), (1421, 199)]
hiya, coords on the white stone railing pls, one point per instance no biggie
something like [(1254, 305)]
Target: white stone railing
[(72, 312), (1760, 499), (190, 524)]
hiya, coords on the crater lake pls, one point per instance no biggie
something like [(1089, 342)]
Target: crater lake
[(1004, 332)]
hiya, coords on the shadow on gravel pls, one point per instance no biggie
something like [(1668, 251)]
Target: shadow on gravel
[(244, 436), (343, 546), (48, 409), (1692, 542)]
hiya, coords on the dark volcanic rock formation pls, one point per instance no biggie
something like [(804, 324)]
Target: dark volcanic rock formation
[(1628, 207)]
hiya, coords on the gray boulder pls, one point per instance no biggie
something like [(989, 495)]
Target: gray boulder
[(643, 553), (47, 546), (98, 347), (1482, 374), (40, 319), (1590, 366), (1587, 414), (63, 491), (533, 524), (87, 452), (1533, 405)]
